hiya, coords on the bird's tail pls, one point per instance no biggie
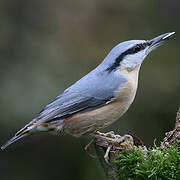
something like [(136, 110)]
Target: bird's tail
[(20, 134), (12, 140), (29, 129)]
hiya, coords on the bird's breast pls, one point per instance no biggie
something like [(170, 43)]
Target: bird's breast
[(127, 91)]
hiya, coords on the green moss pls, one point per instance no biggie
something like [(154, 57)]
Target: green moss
[(152, 164)]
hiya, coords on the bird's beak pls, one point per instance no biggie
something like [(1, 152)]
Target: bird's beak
[(159, 40)]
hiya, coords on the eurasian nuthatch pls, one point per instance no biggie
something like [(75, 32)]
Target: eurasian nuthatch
[(99, 98)]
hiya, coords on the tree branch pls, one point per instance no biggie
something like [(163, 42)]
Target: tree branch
[(130, 159)]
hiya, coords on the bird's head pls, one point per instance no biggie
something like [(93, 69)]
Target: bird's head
[(130, 54)]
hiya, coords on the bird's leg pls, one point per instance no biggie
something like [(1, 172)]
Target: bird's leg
[(106, 156), (99, 135), (111, 137), (112, 140), (105, 136), (88, 148), (120, 139)]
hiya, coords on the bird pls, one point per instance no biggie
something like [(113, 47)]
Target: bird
[(99, 98)]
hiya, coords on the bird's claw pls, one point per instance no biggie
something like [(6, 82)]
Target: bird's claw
[(106, 156), (112, 141), (88, 148)]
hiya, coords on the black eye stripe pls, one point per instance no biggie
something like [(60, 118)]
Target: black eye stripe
[(135, 49), (138, 48)]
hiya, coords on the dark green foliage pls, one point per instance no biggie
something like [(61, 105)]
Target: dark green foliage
[(152, 164)]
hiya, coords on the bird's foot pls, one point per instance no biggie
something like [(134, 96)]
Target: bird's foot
[(106, 156), (88, 148), (112, 141), (111, 137), (99, 135)]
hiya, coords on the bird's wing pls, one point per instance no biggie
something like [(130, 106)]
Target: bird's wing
[(69, 103), (64, 105)]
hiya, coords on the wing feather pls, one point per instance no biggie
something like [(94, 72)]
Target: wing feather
[(95, 89), (67, 104)]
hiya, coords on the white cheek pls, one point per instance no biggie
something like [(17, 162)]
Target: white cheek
[(134, 59)]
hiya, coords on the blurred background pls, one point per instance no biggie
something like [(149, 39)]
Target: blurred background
[(45, 46)]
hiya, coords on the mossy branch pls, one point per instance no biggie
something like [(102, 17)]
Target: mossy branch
[(133, 161)]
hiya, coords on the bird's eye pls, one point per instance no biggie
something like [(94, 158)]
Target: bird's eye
[(137, 48)]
